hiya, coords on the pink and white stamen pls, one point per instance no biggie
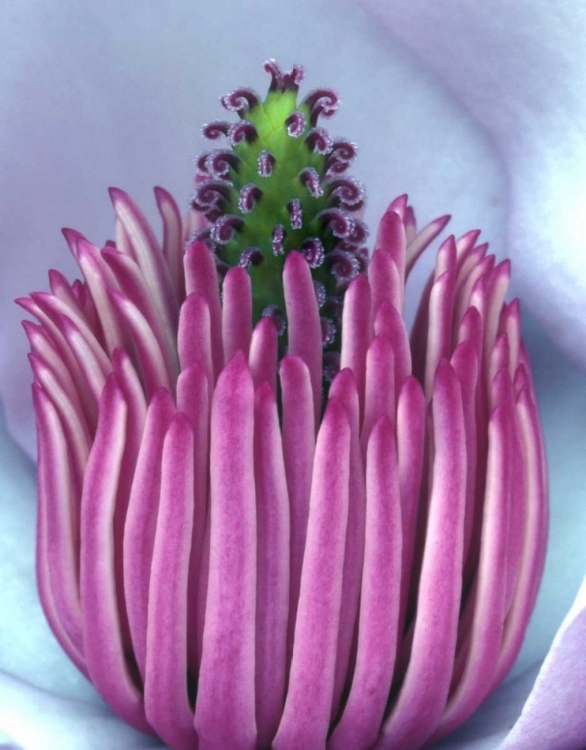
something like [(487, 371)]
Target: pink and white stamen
[(237, 561)]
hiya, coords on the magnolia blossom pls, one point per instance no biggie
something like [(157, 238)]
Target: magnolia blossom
[(268, 518)]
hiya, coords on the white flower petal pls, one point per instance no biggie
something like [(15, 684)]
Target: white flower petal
[(518, 69)]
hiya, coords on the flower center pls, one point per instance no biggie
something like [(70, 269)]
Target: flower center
[(281, 185)]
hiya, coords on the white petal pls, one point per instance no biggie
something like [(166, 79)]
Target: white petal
[(518, 69)]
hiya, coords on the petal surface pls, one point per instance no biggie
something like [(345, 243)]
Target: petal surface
[(553, 717), (531, 103)]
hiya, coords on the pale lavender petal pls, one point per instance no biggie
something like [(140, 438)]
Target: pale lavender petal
[(530, 103), (33, 718), (553, 717)]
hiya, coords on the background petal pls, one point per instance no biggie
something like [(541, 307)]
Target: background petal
[(35, 720), (518, 68), (489, 726), (554, 717)]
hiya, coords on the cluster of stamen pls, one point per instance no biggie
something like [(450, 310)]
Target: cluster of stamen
[(281, 185)]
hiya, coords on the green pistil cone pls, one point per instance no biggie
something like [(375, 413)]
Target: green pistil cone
[(281, 186)]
